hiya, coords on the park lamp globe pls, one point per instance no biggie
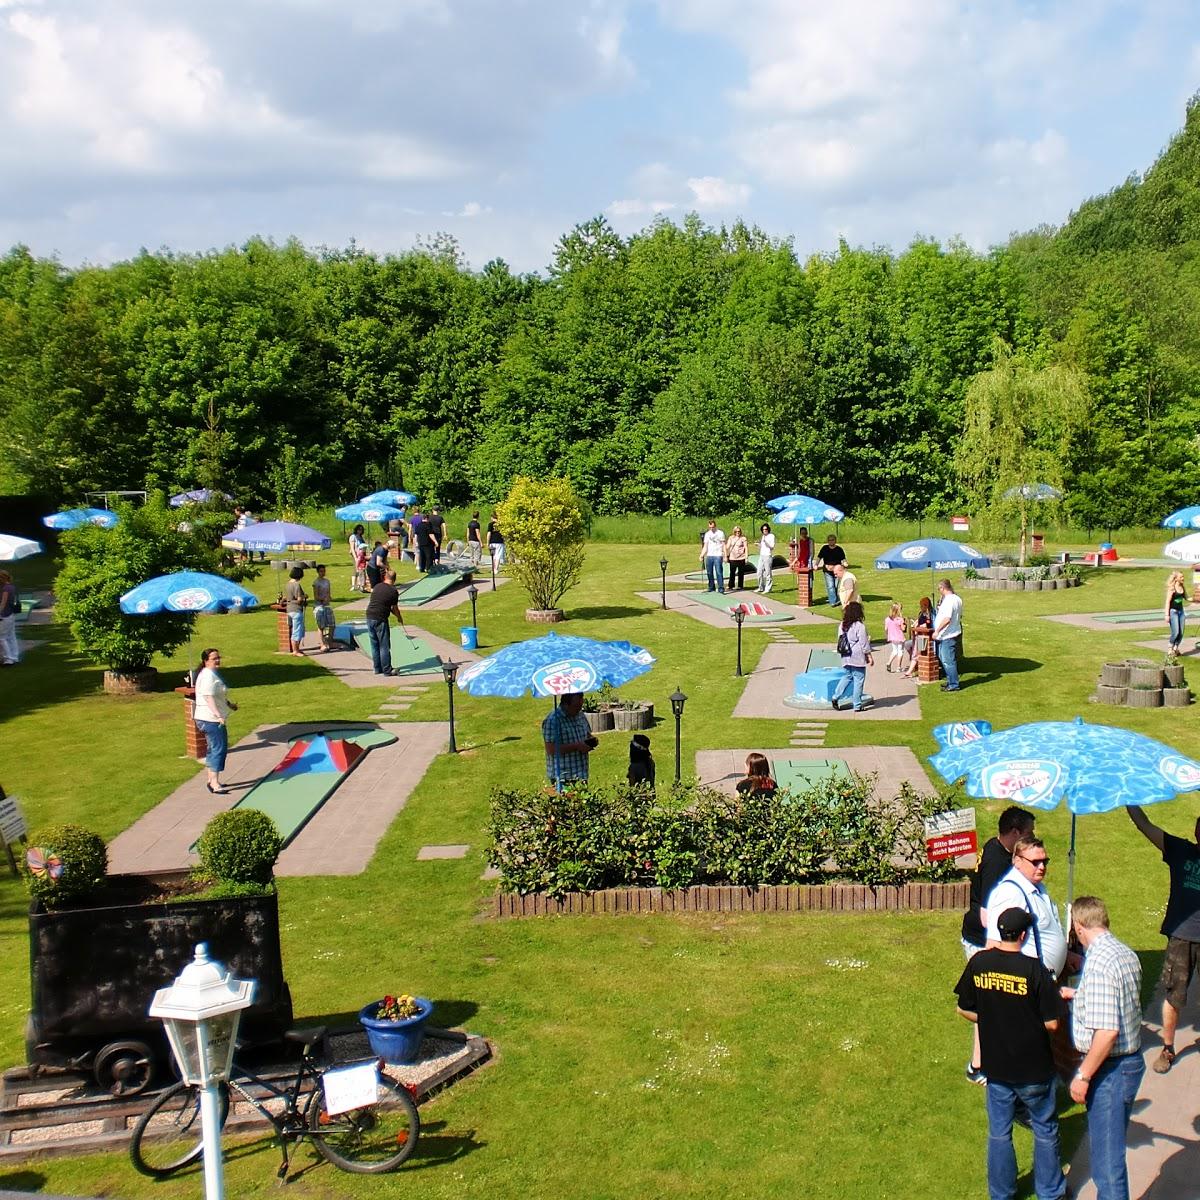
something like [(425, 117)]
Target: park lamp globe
[(202, 1010)]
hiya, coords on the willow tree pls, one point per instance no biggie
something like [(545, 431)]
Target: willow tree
[(1022, 424)]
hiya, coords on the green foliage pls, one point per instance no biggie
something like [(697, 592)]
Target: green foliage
[(101, 565), (543, 526), (239, 846), (289, 476), (84, 859), (222, 889)]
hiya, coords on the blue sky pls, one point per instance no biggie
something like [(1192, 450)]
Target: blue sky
[(131, 123)]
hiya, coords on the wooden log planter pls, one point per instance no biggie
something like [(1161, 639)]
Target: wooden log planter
[(1176, 697), (1115, 675), (1109, 694), (1144, 697), (1144, 674), (641, 716), (828, 897)]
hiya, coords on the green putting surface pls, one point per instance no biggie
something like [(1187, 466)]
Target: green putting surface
[(1148, 614), (410, 656), (430, 587), (799, 775), (722, 602), (822, 658)]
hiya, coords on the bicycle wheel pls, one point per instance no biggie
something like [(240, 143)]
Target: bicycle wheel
[(168, 1135), (368, 1141)]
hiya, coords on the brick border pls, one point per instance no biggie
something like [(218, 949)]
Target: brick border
[(830, 897)]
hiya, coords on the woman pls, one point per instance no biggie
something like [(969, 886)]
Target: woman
[(10, 651), (212, 709), (495, 542), (855, 648), (736, 552), (358, 556), (758, 781), (766, 556), (922, 632), (1173, 609)]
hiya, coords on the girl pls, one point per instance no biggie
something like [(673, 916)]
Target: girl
[(856, 657), (758, 781), (895, 630), (921, 634), (1173, 609), (358, 556)]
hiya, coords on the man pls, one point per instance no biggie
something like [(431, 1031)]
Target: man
[(437, 526), (827, 558), (947, 630), (427, 544), (1023, 887), (766, 556), (712, 555), (295, 600), (474, 541), (376, 563), (994, 863), (1011, 1000), (323, 608), (1181, 926), (385, 600), (847, 585), (1106, 1025), (10, 651), (569, 741)]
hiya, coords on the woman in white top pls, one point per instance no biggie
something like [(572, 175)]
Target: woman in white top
[(766, 553), (213, 707)]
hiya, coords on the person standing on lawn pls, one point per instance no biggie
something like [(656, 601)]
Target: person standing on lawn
[(1181, 925), (569, 740), (384, 601), (1024, 887), (323, 608), (736, 553), (995, 862), (474, 541), (947, 633), (1012, 1002), (847, 585), (828, 557), (295, 600), (437, 525), (712, 555), (10, 605), (1106, 1025), (766, 555)]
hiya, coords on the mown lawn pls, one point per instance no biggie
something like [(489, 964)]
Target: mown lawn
[(814, 1056)]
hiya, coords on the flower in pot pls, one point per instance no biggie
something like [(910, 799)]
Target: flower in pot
[(395, 1026)]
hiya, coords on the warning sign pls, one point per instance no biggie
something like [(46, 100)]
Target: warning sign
[(951, 835)]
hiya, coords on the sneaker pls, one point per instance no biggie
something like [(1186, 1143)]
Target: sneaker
[(1165, 1060), (976, 1075), (864, 705)]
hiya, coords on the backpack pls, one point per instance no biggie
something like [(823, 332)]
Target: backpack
[(843, 645)]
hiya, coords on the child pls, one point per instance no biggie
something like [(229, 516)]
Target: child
[(641, 765), (895, 629), (921, 634), (323, 608)]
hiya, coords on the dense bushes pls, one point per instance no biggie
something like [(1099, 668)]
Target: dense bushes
[(239, 848), (601, 837), (65, 862)]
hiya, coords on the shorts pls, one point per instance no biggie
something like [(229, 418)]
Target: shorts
[(296, 626), (323, 614), (1179, 965)]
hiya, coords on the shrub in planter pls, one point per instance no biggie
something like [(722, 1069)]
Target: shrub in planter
[(64, 863), (545, 532), (240, 847)]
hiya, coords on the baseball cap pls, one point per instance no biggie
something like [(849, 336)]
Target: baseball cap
[(1013, 922)]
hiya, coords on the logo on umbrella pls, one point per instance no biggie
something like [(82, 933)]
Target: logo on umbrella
[(567, 675), (1023, 781), (1179, 771), (189, 599), (913, 553)]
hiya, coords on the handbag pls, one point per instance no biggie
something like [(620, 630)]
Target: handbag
[(843, 645)]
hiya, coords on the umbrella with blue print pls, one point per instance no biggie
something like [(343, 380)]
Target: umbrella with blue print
[(803, 510), (72, 518), (1095, 768), (373, 511), (276, 536), (187, 591), (389, 496), (1183, 518), (938, 554)]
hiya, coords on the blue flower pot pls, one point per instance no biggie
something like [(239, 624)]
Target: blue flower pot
[(396, 1041)]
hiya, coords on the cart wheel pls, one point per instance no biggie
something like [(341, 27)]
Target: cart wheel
[(124, 1068)]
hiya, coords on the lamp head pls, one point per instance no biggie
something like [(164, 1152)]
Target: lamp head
[(739, 616), (678, 699), (472, 593), (662, 562), (450, 671)]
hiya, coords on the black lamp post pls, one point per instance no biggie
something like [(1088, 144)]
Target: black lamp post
[(662, 565), (473, 595), (449, 671), (677, 702), (739, 615), (492, 556)]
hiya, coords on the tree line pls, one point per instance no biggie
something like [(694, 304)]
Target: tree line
[(685, 368)]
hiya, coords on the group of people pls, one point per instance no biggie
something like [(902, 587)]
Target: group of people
[(420, 536), (295, 601), (1033, 1028)]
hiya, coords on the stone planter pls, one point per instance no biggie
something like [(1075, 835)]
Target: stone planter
[(130, 683), (1115, 674), (1176, 697), (1108, 694), (1014, 585), (630, 719), (1143, 674), (544, 616), (1174, 675), (1144, 697), (599, 722)]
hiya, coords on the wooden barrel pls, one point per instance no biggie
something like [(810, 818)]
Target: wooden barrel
[(1144, 697), (1115, 675), (1108, 694)]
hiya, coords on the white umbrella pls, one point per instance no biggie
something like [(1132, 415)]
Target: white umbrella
[(13, 548), (1185, 549)]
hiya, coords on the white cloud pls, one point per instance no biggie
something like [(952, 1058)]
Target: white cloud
[(711, 191)]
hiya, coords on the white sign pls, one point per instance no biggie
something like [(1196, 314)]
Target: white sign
[(12, 820), (951, 835), (347, 1088)]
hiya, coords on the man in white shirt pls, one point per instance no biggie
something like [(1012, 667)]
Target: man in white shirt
[(947, 631), (1024, 887), (766, 554), (712, 555)]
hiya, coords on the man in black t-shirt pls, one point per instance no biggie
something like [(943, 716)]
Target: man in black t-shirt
[(427, 543), (385, 600), (437, 523), (828, 557), (474, 541), (1014, 1000)]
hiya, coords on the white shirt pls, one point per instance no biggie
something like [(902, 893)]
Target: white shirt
[(766, 547), (950, 611), (1012, 892), (714, 543), (212, 702)]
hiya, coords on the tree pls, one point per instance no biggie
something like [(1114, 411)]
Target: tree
[(544, 531)]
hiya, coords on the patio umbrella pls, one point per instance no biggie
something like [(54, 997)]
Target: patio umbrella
[(938, 554), (1095, 768), (1183, 518), (374, 511), (388, 496), (199, 496), (804, 510), (1185, 549), (188, 591), (959, 733), (72, 518), (1024, 492), (14, 548), (276, 536)]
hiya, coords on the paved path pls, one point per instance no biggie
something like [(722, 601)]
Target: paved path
[(454, 598), (1090, 621), (681, 602), (894, 765), (339, 840), (354, 668)]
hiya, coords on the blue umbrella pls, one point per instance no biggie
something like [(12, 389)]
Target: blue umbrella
[(362, 511), (803, 510), (959, 733), (388, 496), (199, 496), (276, 536), (74, 517), (938, 554), (187, 591), (1183, 518), (1096, 768)]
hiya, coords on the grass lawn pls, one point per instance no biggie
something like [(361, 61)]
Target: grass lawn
[(687, 1056)]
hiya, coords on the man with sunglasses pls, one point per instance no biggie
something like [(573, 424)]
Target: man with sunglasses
[(1024, 887)]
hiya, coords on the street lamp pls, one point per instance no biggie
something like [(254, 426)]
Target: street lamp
[(492, 556), (473, 595), (201, 1010), (449, 671), (739, 615), (662, 564), (678, 699)]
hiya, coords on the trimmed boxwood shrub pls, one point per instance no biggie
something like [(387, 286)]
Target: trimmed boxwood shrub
[(84, 859), (240, 847)]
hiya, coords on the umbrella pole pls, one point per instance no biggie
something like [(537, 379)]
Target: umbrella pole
[(1071, 870)]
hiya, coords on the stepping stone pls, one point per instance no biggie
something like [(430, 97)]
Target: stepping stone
[(395, 704), (491, 873), (811, 743), (428, 853), (381, 716)]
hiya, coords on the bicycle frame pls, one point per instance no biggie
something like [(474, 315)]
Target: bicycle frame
[(291, 1125)]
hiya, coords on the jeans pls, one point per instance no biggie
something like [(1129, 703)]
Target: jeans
[(1039, 1101), (1109, 1104), (296, 626), (854, 678), (217, 737), (9, 650), (715, 570), (1175, 618), (380, 636), (831, 588), (947, 652), (424, 556)]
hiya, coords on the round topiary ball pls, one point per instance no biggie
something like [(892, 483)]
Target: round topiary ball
[(240, 846), (63, 863)]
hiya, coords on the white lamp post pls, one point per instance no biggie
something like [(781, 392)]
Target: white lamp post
[(201, 1010)]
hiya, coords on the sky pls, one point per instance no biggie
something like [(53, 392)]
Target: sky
[(130, 124)]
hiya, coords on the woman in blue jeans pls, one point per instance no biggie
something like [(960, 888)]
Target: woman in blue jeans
[(212, 708), (1176, 599), (855, 663)]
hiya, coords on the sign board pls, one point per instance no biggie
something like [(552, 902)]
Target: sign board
[(951, 835), (347, 1088), (12, 821)]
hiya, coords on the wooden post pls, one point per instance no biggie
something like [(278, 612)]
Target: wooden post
[(194, 741)]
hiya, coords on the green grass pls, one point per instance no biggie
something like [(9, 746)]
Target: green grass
[(687, 1056)]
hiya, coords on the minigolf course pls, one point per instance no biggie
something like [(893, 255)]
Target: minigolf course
[(800, 775), (431, 586), (756, 610), (410, 655)]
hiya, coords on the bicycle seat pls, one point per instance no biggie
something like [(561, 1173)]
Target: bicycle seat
[(305, 1037)]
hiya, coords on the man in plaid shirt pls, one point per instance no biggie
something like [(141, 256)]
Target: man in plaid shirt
[(569, 741), (1106, 1025)]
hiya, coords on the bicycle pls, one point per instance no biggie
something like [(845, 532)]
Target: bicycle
[(369, 1139)]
